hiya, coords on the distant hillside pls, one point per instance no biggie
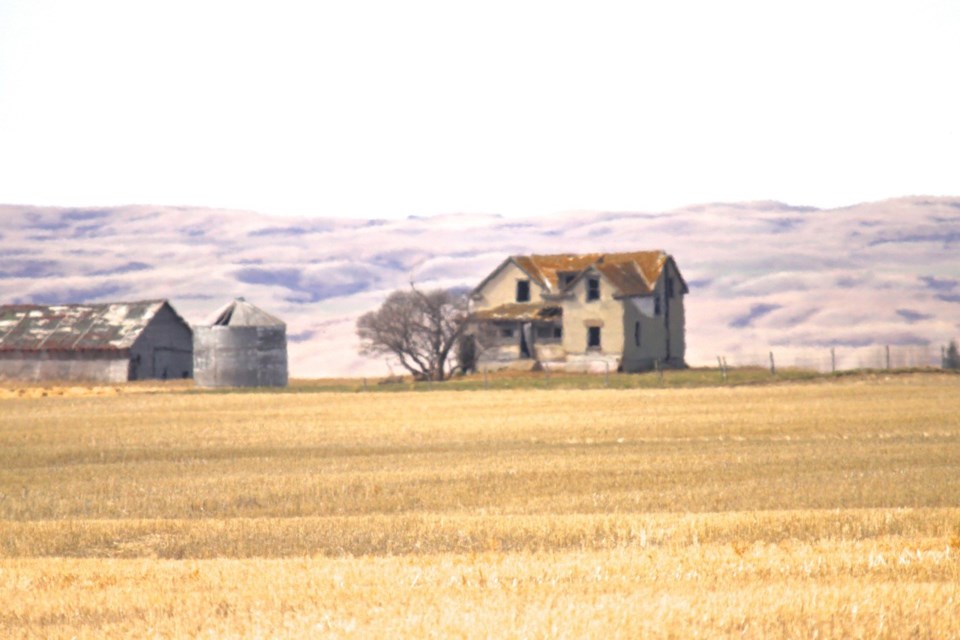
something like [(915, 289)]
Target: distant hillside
[(763, 275)]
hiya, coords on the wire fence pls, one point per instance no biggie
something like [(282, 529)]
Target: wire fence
[(833, 359), (782, 363)]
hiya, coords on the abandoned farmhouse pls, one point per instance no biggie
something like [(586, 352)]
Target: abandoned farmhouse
[(241, 345), (622, 311)]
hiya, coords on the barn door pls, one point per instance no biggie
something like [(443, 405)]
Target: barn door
[(170, 363)]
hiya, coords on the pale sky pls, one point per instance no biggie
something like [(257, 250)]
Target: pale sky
[(388, 108)]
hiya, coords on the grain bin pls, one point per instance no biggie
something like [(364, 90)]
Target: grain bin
[(240, 346)]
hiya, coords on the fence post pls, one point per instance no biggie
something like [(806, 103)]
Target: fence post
[(364, 384), (773, 367), (723, 368), (888, 357), (606, 374), (943, 357), (546, 375), (833, 360), (485, 385)]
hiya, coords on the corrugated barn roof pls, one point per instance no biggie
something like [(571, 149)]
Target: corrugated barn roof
[(74, 327)]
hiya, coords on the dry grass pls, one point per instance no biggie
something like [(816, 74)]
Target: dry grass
[(821, 508)]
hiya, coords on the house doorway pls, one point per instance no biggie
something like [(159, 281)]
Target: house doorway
[(526, 340)]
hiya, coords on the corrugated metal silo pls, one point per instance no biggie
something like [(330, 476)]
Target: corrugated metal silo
[(240, 346)]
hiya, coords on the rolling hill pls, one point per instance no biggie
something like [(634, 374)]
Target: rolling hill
[(763, 276)]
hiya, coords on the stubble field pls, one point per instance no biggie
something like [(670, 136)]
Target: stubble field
[(808, 509)]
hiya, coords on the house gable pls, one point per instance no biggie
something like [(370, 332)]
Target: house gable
[(672, 270), (501, 286), (585, 316)]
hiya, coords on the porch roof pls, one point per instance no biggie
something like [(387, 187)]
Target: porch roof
[(520, 312)]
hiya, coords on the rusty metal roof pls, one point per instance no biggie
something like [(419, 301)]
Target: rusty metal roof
[(633, 273), (520, 312), (74, 327)]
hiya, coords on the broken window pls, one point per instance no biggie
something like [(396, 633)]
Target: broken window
[(523, 291), (558, 332), (506, 332), (593, 289), (566, 279), (593, 337)]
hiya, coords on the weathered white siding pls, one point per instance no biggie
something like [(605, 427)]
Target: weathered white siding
[(579, 315), (502, 288), (661, 334), (66, 366)]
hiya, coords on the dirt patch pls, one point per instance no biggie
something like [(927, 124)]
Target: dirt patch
[(57, 392), (13, 389)]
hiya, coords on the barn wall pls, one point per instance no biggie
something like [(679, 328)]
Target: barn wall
[(240, 356), (164, 350), (86, 366)]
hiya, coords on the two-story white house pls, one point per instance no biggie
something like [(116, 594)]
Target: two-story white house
[(622, 311)]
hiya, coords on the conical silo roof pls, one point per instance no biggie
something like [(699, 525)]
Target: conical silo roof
[(240, 313)]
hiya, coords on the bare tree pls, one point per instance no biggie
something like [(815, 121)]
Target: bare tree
[(418, 328)]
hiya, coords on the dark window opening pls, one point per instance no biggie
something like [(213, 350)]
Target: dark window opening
[(566, 279), (593, 337), (523, 291), (656, 305), (593, 289), (548, 332), (636, 333), (506, 332), (669, 287)]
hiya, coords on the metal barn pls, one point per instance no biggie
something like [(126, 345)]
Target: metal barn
[(103, 342), (240, 346)]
